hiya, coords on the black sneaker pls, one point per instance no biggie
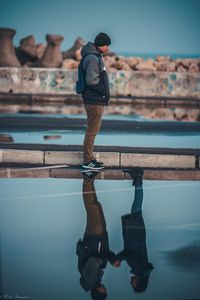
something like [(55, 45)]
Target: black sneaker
[(95, 161), (89, 174), (136, 175), (93, 165)]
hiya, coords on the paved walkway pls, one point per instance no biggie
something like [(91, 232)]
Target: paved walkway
[(177, 164)]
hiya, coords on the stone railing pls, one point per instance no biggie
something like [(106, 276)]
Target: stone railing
[(122, 83)]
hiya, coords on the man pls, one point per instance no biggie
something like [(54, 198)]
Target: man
[(95, 95), (134, 236), (93, 250)]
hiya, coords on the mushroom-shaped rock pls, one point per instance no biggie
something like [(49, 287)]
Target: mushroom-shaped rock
[(52, 57), (120, 64), (70, 64), (133, 61), (40, 49), (8, 57), (74, 51), (27, 51), (147, 65)]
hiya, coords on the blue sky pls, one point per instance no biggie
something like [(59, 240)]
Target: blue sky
[(137, 26)]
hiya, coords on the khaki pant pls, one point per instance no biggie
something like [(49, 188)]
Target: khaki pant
[(94, 115), (96, 223)]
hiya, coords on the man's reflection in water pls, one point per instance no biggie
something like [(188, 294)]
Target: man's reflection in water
[(134, 236), (93, 250)]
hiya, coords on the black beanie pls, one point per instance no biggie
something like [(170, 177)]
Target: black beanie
[(97, 295), (102, 39)]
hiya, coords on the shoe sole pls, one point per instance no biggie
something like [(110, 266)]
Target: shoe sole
[(92, 168), (87, 170)]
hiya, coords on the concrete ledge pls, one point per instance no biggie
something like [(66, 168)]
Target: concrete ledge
[(108, 174), (76, 158), (116, 149), (59, 157), (22, 173), (21, 156), (110, 159), (133, 83), (157, 160), (111, 156)]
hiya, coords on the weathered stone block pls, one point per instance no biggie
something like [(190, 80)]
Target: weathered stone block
[(22, 173), (21, 156), (63, 157), (112, 174), (157, 160), (66, 173), (76, 158), (108, 158), (183, 175)]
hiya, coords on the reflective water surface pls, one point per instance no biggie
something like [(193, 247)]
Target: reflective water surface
[(106, 239)]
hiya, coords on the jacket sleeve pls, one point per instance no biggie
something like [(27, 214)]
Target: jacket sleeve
[(121, 255), (93, 76), (111, 257)]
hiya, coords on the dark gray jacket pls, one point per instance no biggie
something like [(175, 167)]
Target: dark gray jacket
[(97, 86), (96, 247), (135, 250)]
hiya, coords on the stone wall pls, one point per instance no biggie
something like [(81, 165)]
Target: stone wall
[(122, 83)]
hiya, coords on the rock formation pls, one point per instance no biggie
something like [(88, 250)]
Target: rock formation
[(40, 49), (147, 65), (70, 64), (27, 51), (52, 57), (134, 61), (7, 51), (74, 51)]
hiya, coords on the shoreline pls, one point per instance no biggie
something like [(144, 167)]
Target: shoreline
[(153, 55)]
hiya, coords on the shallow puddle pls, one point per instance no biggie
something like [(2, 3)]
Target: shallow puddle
[(41, 221)]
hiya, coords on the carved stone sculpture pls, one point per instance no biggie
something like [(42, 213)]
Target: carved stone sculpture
[(27, 51), (7, 51), (52, 57), (74, 51)]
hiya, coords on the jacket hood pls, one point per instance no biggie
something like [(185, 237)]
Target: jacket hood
[(89, 48)]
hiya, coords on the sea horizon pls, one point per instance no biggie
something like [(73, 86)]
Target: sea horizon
[(154, 55)]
